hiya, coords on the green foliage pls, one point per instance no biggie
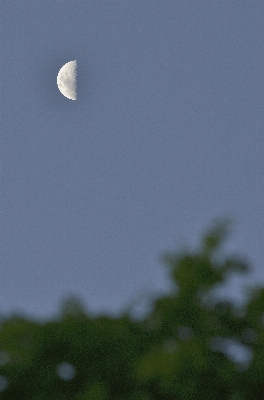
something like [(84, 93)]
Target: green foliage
[(191, 345)]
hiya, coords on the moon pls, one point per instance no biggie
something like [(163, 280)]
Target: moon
[(66, 80)]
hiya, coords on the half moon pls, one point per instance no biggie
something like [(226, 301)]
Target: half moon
[(66, 80)]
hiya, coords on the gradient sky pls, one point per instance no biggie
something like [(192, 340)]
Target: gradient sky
[(167, 133)]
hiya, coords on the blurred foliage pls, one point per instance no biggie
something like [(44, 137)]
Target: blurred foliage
[(191, 345)]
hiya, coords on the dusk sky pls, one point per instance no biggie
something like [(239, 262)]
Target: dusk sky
[(166, 134)]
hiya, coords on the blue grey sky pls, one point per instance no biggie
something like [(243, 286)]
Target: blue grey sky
[(167, 134)]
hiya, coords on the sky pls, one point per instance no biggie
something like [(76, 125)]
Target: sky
[(166, 134)]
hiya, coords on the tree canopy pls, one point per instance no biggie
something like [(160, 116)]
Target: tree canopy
[(192, 344)]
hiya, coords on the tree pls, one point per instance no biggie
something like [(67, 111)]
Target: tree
[(203, 346), (191, 345)]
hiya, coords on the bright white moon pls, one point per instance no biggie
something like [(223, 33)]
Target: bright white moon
[(66, 80)]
